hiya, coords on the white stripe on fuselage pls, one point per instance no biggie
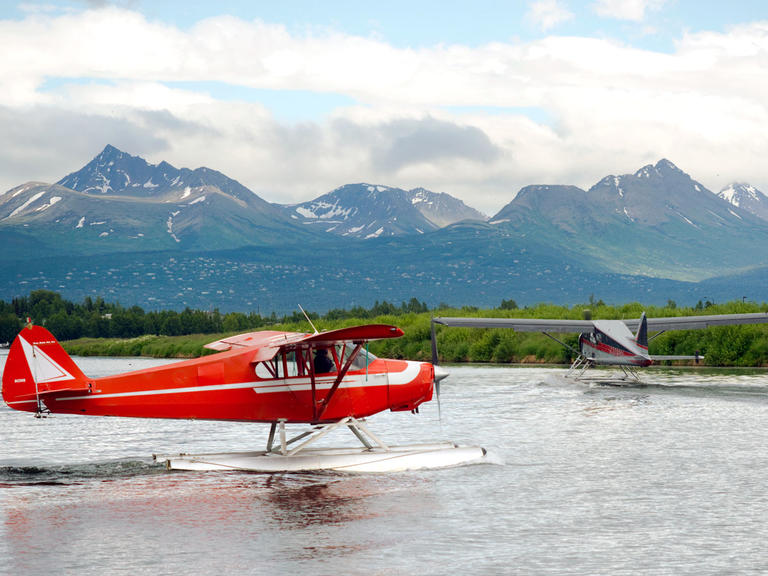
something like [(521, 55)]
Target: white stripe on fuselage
[(407, 375), (262, 387)]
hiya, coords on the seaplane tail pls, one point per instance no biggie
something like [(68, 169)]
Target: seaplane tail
[(642, 332), (37, 368)]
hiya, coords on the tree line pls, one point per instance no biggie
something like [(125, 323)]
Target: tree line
[(95, 327), (95, 318)]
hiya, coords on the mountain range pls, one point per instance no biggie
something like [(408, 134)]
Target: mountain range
[(160, 236)]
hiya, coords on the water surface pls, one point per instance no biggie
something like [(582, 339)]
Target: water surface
[(663, 477)]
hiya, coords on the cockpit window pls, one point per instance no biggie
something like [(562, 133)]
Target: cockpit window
[(362, 359), (293, 363)]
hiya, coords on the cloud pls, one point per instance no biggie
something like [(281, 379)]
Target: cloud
[(451, 118), (634, 10), (547, 14), (407, 142), (46, 143)]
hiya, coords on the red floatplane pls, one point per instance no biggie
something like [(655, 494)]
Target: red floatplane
[(328, 380)]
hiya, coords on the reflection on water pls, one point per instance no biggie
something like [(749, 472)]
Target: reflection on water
[(660, 477), (132, 522)]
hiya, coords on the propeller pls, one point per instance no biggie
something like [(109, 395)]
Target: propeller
[(438, 371)]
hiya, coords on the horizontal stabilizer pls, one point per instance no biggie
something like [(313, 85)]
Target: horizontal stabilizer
[(657, 358), (59, 391)]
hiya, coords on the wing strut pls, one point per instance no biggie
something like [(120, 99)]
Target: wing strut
[(657, 334), (343, 372), (563, 344)]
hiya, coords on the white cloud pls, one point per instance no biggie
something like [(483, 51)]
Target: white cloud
[(547, 14), (634, 10), (451, 118)]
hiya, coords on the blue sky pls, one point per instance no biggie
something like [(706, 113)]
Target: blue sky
[(296, 98), (407, 23)]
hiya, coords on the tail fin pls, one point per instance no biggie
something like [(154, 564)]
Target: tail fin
[(37, 366), (642, 332)]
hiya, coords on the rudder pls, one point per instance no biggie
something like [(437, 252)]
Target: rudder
[(37, 366), (642, 332)]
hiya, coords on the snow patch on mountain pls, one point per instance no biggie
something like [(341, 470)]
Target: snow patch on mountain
[(27, 203), (321, 210), (19, 191), (687, 220), (104, 186), (616, 184), (378, 188), (737, 193), (51, 202), (169, 225)]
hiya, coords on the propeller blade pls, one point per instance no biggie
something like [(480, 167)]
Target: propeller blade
[(438, 373), (434, 343)]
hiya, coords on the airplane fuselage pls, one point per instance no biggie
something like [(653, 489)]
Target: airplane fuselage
[(231, 385), (611, 342)]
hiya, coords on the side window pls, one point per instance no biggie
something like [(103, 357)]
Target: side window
[(290, 365), (265, 370), (283, 365)]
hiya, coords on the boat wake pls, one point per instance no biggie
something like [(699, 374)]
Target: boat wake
[(53, 475), (703, 388)]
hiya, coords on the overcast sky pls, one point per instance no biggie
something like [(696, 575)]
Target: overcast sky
[(476, 99)]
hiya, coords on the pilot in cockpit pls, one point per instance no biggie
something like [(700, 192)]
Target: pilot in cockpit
[(323, 362)]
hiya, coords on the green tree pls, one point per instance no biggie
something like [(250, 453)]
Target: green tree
[(10, 326), (508, 305)]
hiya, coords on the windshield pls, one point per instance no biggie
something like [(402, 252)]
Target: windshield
[(362, 359)]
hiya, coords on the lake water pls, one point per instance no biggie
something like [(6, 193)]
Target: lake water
[(664, 477)]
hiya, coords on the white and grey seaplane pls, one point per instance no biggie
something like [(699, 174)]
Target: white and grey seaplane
[(606, 342)]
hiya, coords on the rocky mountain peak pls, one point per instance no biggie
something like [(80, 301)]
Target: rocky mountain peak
[(113, 171), (442, 209), (367, 210), (746, 197), (664, 166)]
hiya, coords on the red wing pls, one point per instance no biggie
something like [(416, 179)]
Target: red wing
[(269, 338), (355, 334), (273, 339)]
